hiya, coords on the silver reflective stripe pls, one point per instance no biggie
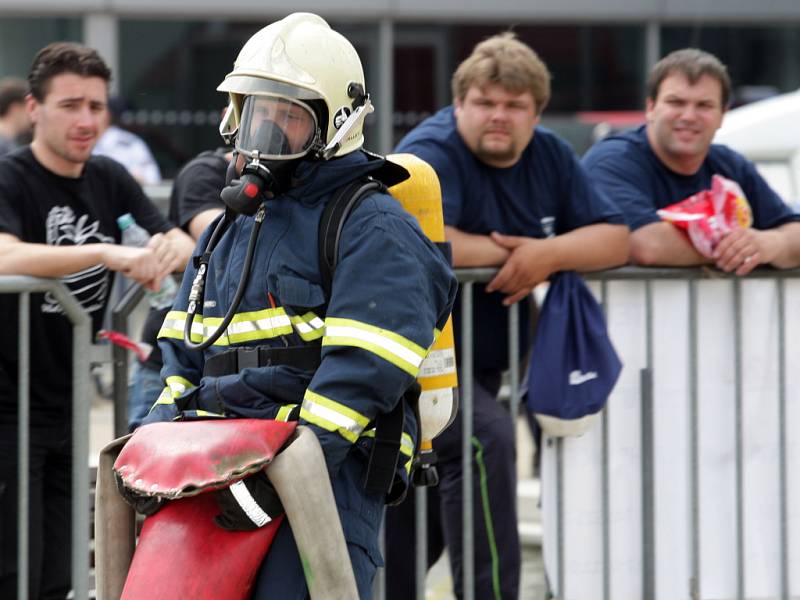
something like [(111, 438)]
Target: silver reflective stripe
[(250, 507), (176, 387), (332, 416), (408, 355), (314, 324), (265, 324), (303, 327)]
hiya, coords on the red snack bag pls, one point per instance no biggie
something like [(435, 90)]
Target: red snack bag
[(709, 215)]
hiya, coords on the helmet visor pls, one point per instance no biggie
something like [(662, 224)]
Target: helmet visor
[(275, 127)]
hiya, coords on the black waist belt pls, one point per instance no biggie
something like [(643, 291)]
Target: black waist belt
[(305, 358)]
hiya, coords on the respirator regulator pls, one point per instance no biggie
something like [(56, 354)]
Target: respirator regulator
[(274, 134)]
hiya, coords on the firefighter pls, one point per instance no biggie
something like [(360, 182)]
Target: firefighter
[(266, 336)]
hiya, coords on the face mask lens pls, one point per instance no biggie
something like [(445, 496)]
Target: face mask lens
[(275, 127)]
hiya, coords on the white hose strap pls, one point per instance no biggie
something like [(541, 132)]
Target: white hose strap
[(250, 507)]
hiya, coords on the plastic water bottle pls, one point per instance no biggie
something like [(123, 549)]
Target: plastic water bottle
[(135, 235)]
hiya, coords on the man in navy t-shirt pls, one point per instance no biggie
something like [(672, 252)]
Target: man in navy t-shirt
[(671, 158), (520, 202)]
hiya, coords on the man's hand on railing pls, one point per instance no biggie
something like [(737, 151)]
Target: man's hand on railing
[(166, 254), (529, 264), (139, 264)]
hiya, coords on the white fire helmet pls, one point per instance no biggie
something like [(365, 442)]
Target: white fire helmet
[(304, 81)]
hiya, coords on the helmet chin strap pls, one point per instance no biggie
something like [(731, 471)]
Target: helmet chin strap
[(356, 118)]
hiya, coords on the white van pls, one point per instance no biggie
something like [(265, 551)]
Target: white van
[(768, 133)]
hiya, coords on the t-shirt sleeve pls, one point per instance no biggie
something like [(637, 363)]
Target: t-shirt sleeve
[(136, 202), (10, 221), (769, 210), (623, 180), (586, 203), (450, 180), (197, 189)]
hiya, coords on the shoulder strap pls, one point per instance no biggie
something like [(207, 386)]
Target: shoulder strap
[(380, 474), (344, 201)]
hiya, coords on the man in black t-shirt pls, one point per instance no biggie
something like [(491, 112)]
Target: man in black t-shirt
[(193, 204), (58, 211)]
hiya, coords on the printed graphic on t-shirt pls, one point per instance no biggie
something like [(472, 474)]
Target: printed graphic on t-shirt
[(89, 286), (548, 226)]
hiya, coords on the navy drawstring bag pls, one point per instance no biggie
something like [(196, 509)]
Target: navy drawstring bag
[(573, 365)]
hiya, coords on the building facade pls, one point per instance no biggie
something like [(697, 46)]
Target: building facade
[(168, 57)]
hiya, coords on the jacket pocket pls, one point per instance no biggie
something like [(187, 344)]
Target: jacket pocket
[(299, 293)]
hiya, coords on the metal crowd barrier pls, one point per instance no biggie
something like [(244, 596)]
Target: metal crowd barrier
[(681, 491), (120, 314), (467, 278), (684, 489), (688, 487), (81, 330)]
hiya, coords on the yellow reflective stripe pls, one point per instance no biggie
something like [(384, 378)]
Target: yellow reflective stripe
[(407, 448), (206, 413), (173, 324), (244, 327), (283, 412), (332, 416), (165, 397), (256, 325), (309, 326), (407, 445), (178, 385), (394, 348)]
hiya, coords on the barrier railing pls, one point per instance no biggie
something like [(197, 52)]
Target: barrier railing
[(683, 490), (654, 503), (120, 314), (81, 329), (467, 278)]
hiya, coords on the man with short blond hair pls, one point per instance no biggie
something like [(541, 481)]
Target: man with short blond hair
[(671, 157), (515, 197)]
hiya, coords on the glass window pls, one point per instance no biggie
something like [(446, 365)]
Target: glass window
[(21, 39), (168, 85), (762, 61), (594, 68)]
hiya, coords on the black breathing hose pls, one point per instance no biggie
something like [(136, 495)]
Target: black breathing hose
[(197, 293)]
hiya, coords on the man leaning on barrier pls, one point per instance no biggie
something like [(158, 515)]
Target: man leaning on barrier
[(515, 197), (671, 157), (58, 211)]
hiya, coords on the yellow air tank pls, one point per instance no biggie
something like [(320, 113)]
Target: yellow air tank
[(421, 196)]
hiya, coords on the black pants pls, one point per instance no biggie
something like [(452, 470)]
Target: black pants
[(49, 509), (497, 549)]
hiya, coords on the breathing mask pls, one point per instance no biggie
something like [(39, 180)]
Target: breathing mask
[(274, 134)]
